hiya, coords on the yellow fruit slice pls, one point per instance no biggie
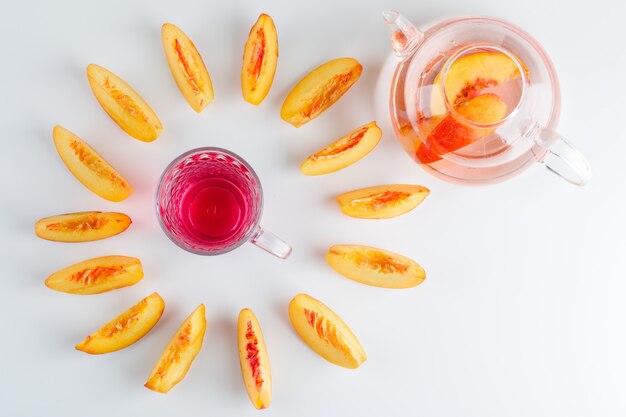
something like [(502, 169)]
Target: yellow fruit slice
[(319, 90), (88, 167), (125, 329), (123, 104), (344, 151), (325, 332), (255, 363), (375, 267), (382, 201), (260, 56), (470, 74), (97, 275), (179, 353), (187, 67), (82, 227)]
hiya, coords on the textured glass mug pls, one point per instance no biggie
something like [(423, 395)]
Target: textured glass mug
[(180, 185)]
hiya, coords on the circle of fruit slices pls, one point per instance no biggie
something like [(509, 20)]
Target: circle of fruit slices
[(313, 321)]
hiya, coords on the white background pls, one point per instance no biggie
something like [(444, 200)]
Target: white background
[(523, 309)]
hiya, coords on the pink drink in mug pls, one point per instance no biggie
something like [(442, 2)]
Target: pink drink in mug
[(209, 201)]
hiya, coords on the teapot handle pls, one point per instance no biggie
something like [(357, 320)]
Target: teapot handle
[(562, 158)]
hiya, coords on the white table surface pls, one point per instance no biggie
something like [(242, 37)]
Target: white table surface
[(523, 310)]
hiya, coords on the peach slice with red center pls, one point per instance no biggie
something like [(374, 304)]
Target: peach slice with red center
[(375, 267), (260, 56), (319, 90), (452, 134), (382, 201), (125, 329), (90, 168), (324, 332), (469, 75), (344, 151), (255, 363), (182, 349), (187, 67), (82, 227), (97, 275), (123, 104)]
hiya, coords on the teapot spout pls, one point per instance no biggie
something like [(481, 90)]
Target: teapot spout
[(405, 38)]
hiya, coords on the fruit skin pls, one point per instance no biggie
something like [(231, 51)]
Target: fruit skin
[(425, 126), (344, 151), (82, 227), (382, 201), (97, 275), (469, 74), (123, 104), (179, 353), (452, 134), (319, 90), (324, 332), (125, 329), (255, 363), (88, 167), (260, 56), (375, 267), (187, 67)]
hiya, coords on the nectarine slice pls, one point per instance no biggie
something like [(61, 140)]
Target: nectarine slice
[(88, 167), (255, 363), (97, 275), (470, 74), (382, 201), (179, 353), (324, 332), (123, 104), (187, 67), (125, 329), (452, 134), (319, 90), (82, 227), (344, 151), (260, 56), (375, 267)]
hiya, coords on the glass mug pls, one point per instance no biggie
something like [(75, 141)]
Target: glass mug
[(209, 201), (476, 100)]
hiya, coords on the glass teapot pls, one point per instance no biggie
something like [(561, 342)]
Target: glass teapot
[(475, 100)]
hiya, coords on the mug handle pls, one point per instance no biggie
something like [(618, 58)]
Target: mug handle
[(271, 243), (562, 158)]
